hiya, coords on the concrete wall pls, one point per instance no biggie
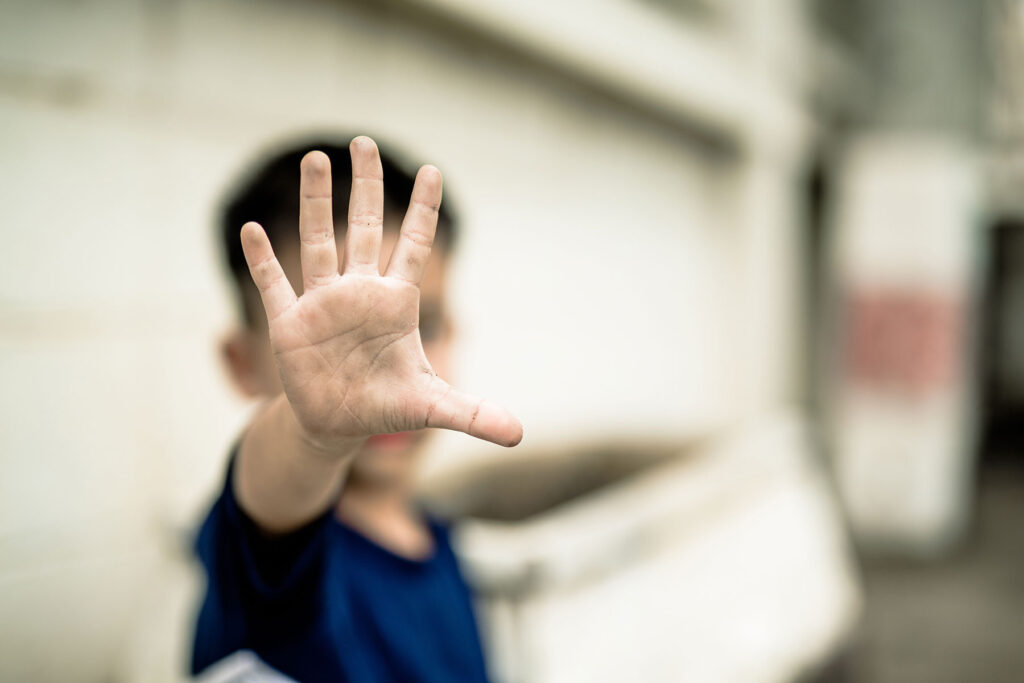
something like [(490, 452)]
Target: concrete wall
[(616, 276)]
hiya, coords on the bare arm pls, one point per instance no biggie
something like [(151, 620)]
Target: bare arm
[(348, 350)]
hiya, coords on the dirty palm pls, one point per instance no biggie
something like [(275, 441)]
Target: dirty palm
[(348, 349)]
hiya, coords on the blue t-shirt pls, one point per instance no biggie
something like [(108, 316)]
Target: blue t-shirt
[(325, 603)]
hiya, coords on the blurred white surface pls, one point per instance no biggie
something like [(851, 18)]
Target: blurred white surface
[(615, 276)]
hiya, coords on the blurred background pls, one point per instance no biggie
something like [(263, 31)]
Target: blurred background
[(750, 272)]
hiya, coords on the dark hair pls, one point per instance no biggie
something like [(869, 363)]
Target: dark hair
[(269, 195)]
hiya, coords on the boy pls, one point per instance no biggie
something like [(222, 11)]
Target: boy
[(317, 558)]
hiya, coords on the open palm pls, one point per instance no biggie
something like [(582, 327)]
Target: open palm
[(348, 350)]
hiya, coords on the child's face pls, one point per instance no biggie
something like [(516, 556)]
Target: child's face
[(387, 457)]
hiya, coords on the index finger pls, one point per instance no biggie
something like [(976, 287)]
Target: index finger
[(409, 258)]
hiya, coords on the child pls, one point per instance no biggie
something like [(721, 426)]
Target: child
[(318, 559)]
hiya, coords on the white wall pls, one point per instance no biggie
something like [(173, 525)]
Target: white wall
[(601, 286)]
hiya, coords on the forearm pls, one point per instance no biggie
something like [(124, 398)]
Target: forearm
[(281, 478)]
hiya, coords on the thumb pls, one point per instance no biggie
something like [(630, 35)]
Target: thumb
[(475, 416)]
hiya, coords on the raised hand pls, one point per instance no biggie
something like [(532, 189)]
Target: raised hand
[(348, 350)]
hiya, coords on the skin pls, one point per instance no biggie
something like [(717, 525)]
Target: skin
[(349, 362)]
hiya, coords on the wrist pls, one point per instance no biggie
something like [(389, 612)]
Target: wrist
[(282, 479)]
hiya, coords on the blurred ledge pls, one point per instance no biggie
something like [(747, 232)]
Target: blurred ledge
[(583, 550), (699, 76), (21, 324), (679, 73), (58, 88), (556, 509)]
